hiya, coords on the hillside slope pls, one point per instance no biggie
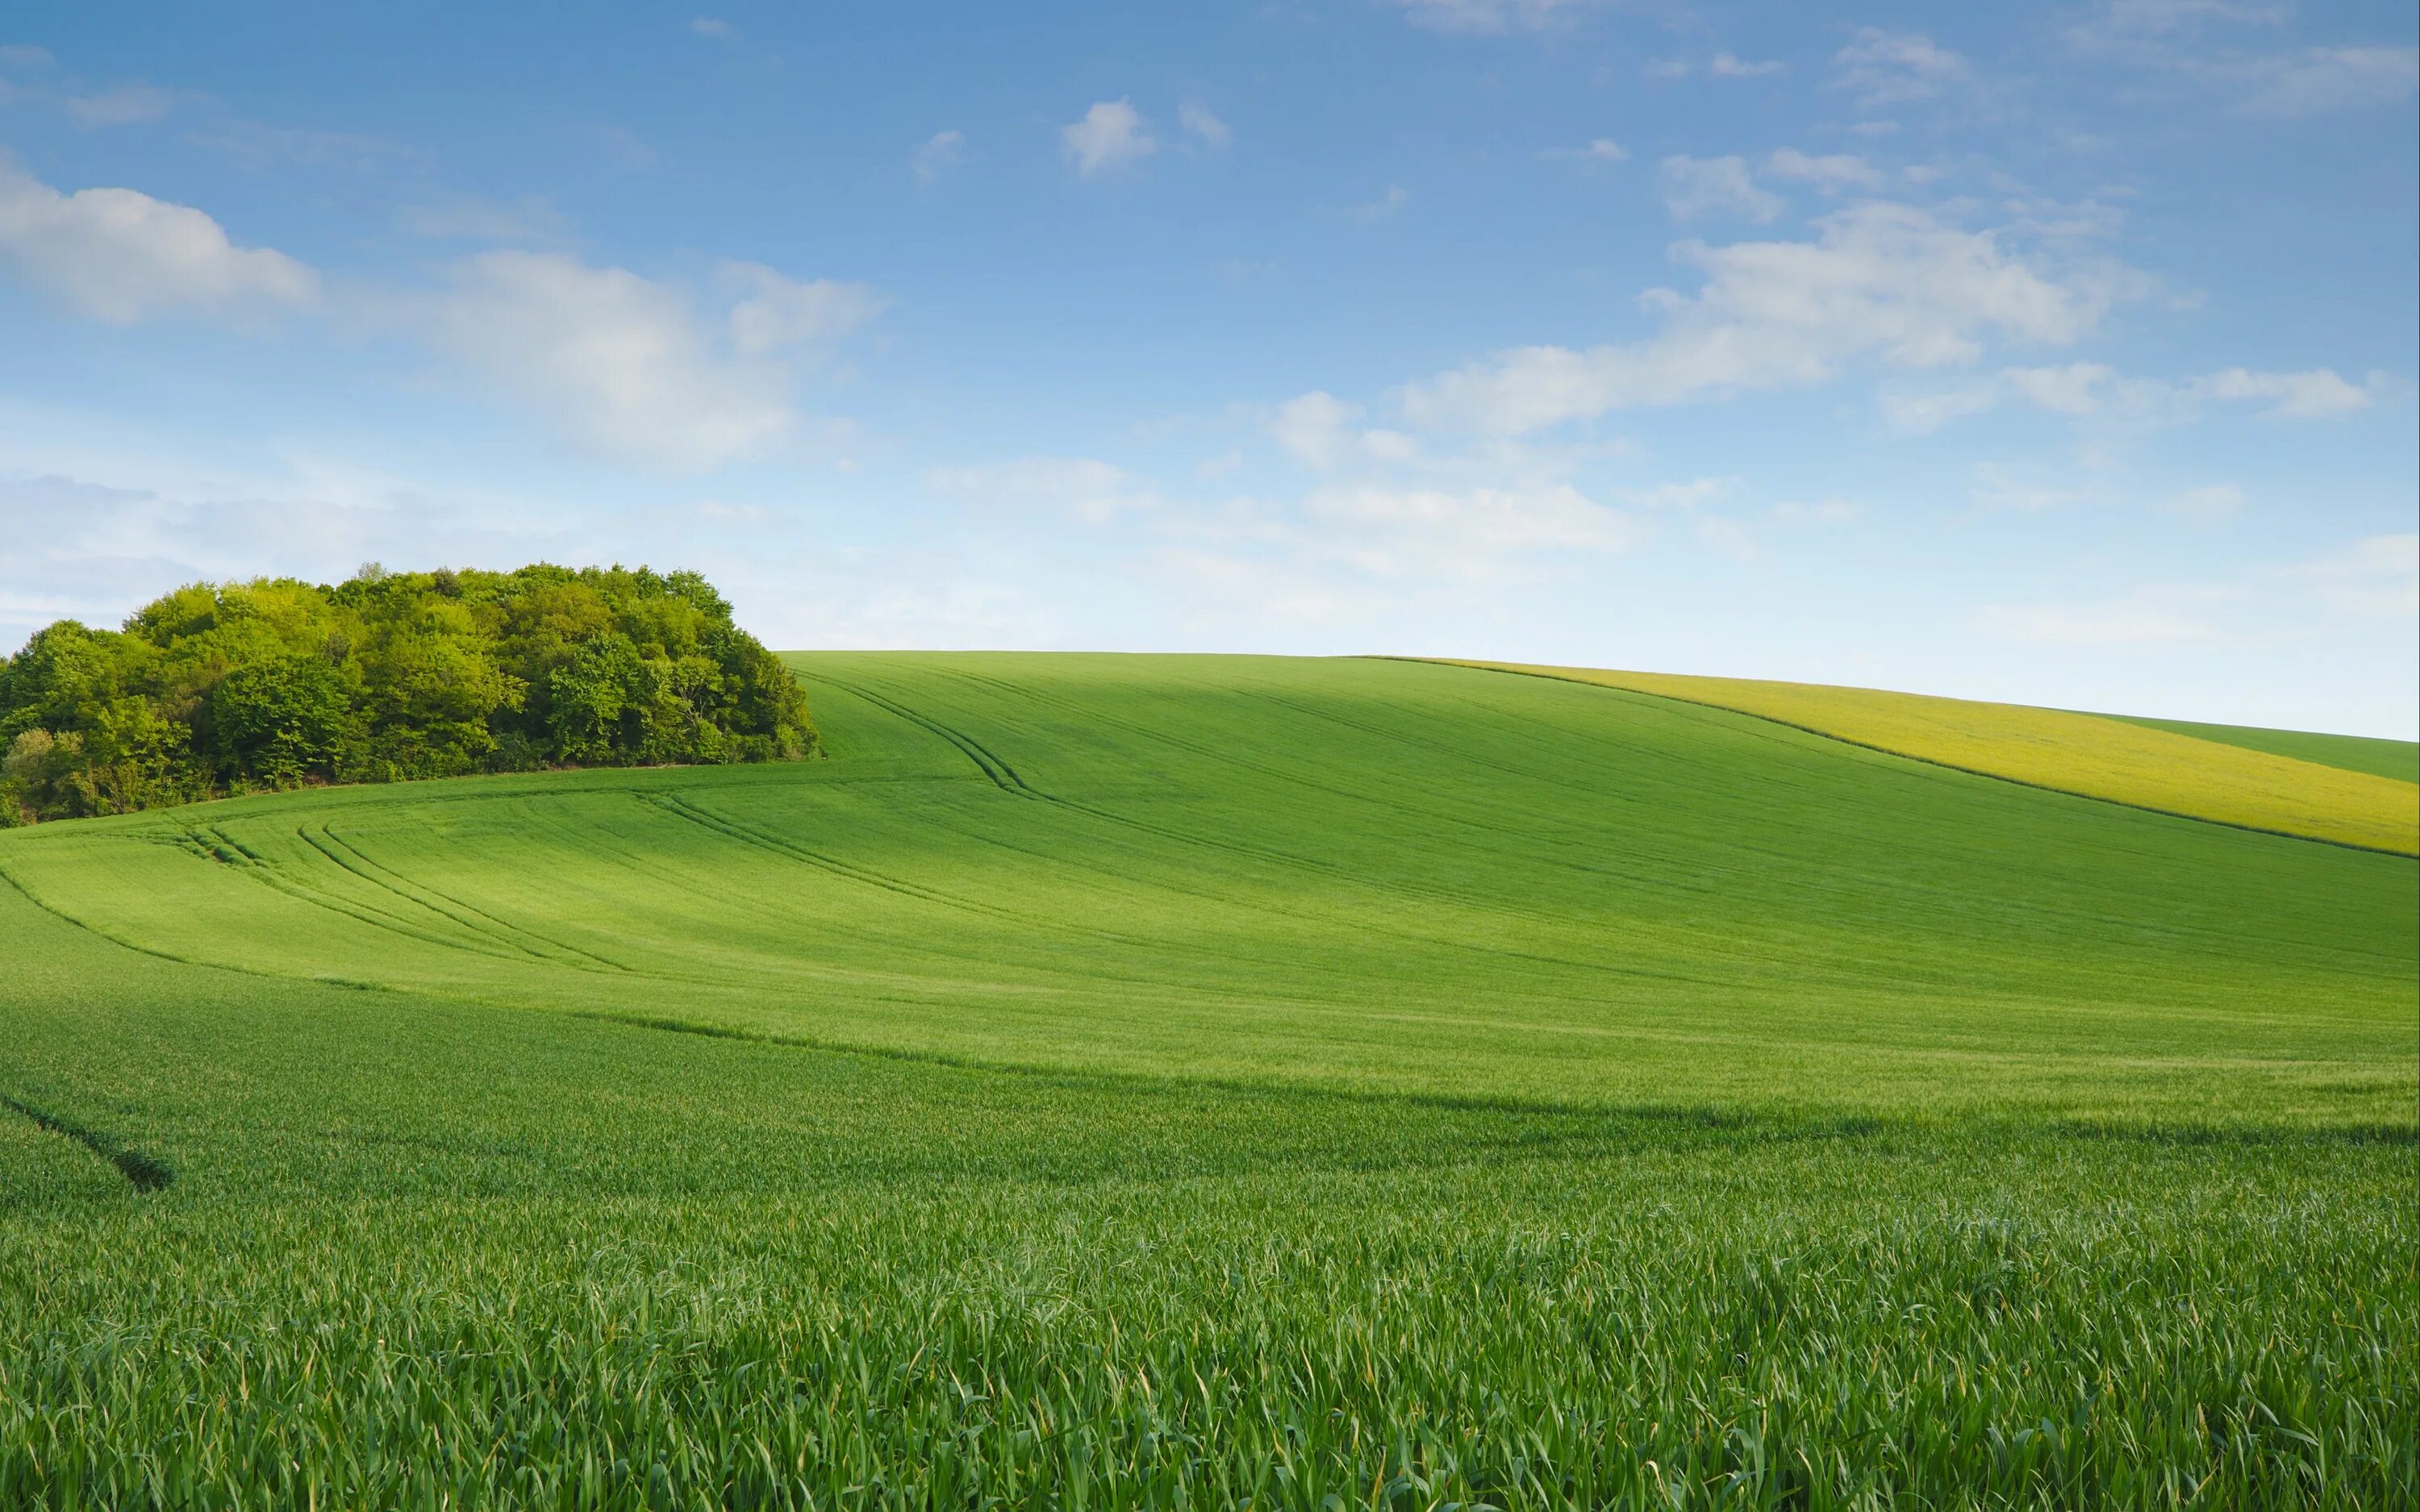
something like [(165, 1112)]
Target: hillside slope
[(2240, 782), (2398, 759), (1363, 875)]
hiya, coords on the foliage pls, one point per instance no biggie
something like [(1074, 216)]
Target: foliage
[(2322, 787), (232, 687)]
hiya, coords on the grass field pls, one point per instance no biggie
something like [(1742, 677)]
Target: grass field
[(2398, 759), (1198, 1081), (2337, 788)]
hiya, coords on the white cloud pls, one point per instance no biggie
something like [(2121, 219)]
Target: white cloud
[(1817, 512), (1317, 429), (619, 363), (1885, 67), (25, 56), (2169, 36), (1693, 494), (2147, 617), (1387, 203), (1831, 174), (1997, 488), (121, 256), (1391, 532), (1491, 16), (1109, 134), (1696, 187), (131, 104), (1603, 149), (2315, 395), (472, 219), (2375, 577), (1198, 120), (1314, 428), (623, 148), (1922, 411), (2319, 79), (268, 148), (781, 313), (940, 153), (2095, 391), (2210, 502), (1727, 66), (1088, 489), (1882, 281), (2119, 23), (2075, 389), (713, 26)]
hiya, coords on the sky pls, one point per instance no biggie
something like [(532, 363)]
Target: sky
[(2058, 354)]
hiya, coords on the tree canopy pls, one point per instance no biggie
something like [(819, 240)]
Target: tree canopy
[(220, 689)]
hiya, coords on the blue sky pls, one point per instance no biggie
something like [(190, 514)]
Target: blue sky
[(2059, 354)]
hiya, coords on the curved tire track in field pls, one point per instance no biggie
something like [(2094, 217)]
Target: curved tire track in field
[(282, 881), (1003, 775), (505, 929), (149, 1173), (976, 753)]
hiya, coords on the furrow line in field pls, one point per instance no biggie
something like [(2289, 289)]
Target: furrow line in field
[(1483, 834), (503, 941), (1021, 920), (598, 961), (1294, 861), (682, 809), (269, 874), (1003, 775), (149, 1173)]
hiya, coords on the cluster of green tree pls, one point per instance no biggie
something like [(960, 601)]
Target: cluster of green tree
[(233, 687)]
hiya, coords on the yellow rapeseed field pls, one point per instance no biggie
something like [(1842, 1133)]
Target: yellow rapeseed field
[(2079, 753)]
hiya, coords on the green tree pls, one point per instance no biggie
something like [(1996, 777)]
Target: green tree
[(221, 687), (280, 722)]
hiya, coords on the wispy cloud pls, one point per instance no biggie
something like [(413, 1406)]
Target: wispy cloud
[(469, 218), (1388, 204), (1695, 188), (129, 104), (1110, 135), (1204, 127), (938, 154), (2099, 393), (1725, 66), (1886, 68), (1081, 487), (1880, 281), (1831, 173), (1493, 17)]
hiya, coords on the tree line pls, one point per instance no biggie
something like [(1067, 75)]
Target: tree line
[(222, 688)]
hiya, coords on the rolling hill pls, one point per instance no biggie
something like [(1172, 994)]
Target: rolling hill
[(1201, 1079), (2341, 789), (1366, 874)]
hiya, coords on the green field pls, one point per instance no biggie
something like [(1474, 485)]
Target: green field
[(1205, 1080), (2398, 759), (2341, 789)]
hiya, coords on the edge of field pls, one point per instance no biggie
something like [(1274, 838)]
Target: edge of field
[(2093, 756), (2395, 760)]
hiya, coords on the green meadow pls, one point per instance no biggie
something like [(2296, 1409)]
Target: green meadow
[(1108, 1081)]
